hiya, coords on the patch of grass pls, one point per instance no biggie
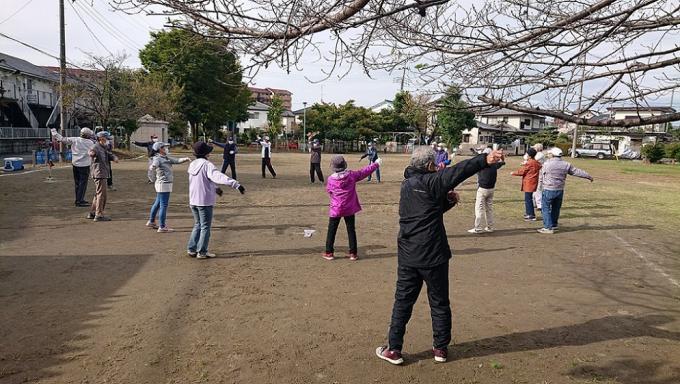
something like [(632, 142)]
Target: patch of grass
[(496, 365), (653, 169)]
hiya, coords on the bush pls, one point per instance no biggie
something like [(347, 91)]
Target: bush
[(673, 151), (654, 152)]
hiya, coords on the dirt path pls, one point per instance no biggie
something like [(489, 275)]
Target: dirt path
[(87, 302)]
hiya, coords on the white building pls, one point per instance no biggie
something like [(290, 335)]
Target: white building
[(257, 119), (518, 120), (385, 104), (634, 112), (28, 94), (147, 126)]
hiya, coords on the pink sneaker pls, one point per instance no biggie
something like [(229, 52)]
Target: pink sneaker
[(328, 255), (440, 354), (390, 355), (353, 256)]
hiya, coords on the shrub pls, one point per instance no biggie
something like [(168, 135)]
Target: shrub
[(673, 151), (653, 152)]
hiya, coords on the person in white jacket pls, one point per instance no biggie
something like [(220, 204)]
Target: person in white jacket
[(203, 180), (267, 156), (80, 159)]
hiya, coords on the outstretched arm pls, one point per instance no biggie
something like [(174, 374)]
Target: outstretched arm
[(221, 145), (367, 170), (444, 181), (220, 178), (58, 137), (579, 173)]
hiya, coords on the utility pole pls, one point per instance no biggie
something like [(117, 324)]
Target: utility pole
[(578, 111), (304, 125), (403, 75), (62, 75)]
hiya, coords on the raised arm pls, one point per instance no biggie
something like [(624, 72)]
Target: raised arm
[(218, 177), (367, 170), (58, 137), (221, 145), (579, 173)]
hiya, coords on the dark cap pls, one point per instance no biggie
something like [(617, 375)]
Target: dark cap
[(201, 148)]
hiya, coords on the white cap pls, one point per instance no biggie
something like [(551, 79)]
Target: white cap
[(158, 145), (86, 131), (556, 152), (266, 137), (486, 151)]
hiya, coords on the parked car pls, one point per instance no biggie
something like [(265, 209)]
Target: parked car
[(599, 150)]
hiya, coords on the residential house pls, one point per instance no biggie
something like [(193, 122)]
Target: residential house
[(502, 126), (257, 119), (519, 120), (28, 94), (567, 127), (634, 112), (265, 95)]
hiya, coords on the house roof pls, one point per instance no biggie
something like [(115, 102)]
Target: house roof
[(382, 103), (13, 64), (258, 106), (635, 108), (288, 113), (76, 72), (300, 111), (505, 112), (270, 90)]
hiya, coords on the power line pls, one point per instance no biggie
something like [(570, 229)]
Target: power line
[(89, 30), (17, 11), (108, 27), (39, 50)]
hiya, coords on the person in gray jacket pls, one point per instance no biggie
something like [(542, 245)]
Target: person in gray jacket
[(100, 169), (315, 161), (161, 174), (554, 175)]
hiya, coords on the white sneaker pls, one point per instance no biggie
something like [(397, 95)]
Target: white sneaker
[(475, 230), (205, 255), (545, 231), (488, 229), (152, 225), (165, 230)]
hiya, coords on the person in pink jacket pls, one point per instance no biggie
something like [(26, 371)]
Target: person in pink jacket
[(341, 187)]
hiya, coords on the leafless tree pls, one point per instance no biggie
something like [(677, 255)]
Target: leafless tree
[(556, 58)]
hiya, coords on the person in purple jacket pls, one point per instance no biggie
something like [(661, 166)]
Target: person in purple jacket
[(344, 202), (203, 180)]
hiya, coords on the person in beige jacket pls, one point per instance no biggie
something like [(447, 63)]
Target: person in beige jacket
[(100, 169)]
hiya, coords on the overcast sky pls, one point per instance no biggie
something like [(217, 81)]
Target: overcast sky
[(36, 22)]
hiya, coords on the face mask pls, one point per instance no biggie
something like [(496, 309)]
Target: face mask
[(439, 148), (155, 140), (231, 141)]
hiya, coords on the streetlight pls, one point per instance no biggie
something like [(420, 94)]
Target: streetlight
[(304, 124)]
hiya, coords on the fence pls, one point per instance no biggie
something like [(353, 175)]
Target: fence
[(14, 133)]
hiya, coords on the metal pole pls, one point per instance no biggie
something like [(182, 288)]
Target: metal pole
[(62, 75), (403, 75), (580, 100), (304, 125)]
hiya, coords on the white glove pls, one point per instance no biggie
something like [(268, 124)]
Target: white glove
[(184, 159), (379, 162)]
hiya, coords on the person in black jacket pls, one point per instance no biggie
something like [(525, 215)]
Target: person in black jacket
[(486, 181), (229, 156), (423, 251)]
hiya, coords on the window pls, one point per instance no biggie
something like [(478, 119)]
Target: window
[(466, 138), (253, 115)]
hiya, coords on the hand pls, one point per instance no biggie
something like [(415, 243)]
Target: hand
[(453, 197), (219, 191), (184, 160), (242, 189), (210, 141), (495, 157), (591, 179), (379, 162), (53, 131)]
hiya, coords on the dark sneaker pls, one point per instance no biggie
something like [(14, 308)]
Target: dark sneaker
[(83, 204), (440, 354), (102, 218), (353, 256), (328, 256), (90, 216), (530, 218), (389, 355)]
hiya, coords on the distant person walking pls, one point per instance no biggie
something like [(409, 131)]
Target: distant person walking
[(423, 250), (101, 158), (530, 173), (162, 176), (554, 176), (441, 156), (344, 203), (229, 155), (315, 160), (80, 159), (109, 181), (267, 157), (149, 153), (486, 182), (372, 154), (203, 181)]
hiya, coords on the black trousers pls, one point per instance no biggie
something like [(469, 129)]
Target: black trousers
[(229, 162), (315, 167), (80, 177), (409, 282), (109, 181), (333, 223), (267, 162)]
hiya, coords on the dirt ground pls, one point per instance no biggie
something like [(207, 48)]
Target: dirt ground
[(114, 302)]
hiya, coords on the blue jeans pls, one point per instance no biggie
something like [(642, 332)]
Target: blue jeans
[(551, 205), (377, 174), (160, 207), (529, 205), (200, 235)]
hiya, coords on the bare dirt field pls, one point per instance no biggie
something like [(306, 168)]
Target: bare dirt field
[(114, 302)]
